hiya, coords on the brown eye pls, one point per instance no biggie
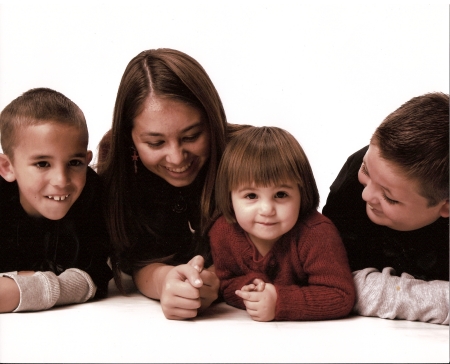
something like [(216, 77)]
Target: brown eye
[(281, 194)]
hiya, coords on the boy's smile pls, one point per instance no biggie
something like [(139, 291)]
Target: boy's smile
[(392, 199), (49, 165)]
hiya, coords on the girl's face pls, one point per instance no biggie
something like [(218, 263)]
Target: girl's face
[(172, 140), (266, 213)]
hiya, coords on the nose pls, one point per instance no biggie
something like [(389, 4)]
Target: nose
[(60, 177), (266, 208), (369, 194), (175, 154)]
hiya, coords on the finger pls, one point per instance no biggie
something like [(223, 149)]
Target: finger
[(187, 272), (209, 278), (248, 296), (251, 306), (180, 313), (177, 288), (261, 286), (198, 262), (248, 288)]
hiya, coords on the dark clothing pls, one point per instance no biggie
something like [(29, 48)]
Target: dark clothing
[(169, 213), (423, 253), (78, 240)]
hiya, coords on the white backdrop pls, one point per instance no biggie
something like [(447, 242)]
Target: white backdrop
[(327, 71)]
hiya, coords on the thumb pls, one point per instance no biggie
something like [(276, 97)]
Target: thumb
[(198, 262)]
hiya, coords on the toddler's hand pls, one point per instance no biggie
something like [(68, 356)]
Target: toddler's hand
[(258, 285), (260, 304)]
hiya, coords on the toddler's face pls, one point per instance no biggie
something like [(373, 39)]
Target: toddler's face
[(50, 162), (266, 213), (393, 200)]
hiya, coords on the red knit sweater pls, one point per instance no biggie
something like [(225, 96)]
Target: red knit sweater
[(308, 267)]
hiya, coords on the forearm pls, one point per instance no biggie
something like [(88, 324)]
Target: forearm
[(313, 302), (75, 286), (388, 296), (43, 290), (150, 279), (9, 295)]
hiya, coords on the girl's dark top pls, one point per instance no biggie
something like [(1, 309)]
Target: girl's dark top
[(170, 213), (78, 240), (423, 253)]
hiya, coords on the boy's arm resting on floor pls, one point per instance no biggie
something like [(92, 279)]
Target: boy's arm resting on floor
[(385, 295), (43, 290)]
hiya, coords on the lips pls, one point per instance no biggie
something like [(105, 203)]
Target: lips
[(374, 209), (180, 169)]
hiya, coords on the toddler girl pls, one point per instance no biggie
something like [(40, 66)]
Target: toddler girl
[(275, 255)]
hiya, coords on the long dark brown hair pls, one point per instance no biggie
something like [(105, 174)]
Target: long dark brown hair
[(171, 74)]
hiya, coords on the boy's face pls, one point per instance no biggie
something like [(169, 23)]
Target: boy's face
[(50, 162), (392, 200)]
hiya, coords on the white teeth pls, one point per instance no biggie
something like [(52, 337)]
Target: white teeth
[(370, 207), (179, 170), (58, 198)]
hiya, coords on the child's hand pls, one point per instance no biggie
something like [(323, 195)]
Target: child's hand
[(258, 285), (260, 305)]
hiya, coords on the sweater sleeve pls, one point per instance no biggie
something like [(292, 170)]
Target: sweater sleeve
[(37, 292), (329, 292), (227, 252), (43, 290), (76, 286), (385, 295)]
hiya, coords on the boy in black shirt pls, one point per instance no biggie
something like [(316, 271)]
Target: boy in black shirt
[(390, 204), (53, 242)]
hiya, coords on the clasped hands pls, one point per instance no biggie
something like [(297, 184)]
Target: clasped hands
[(260, 299), (189, 289)]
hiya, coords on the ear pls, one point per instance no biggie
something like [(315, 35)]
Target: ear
[(444, 209), (88, 157), (6, 168)]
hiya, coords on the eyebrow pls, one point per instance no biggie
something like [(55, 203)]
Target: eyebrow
[(290, 187), (43, 156), (200, 123), (367, 170)]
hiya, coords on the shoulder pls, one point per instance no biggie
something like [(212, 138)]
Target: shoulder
[(221, 226), (316, 228), (315, 219), (9, 194)]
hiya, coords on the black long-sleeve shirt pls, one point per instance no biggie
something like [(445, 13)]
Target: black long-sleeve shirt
[(78, 240), (423, 253)]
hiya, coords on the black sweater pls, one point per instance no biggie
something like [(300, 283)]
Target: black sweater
[(162, 218), (78, 240), (423, 253)]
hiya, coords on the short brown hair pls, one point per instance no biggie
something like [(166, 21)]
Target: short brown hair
[(415, 137), (35, 107), (264, 156)]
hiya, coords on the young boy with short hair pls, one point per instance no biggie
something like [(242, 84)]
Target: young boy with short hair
[(390, 204), (53, 241)]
